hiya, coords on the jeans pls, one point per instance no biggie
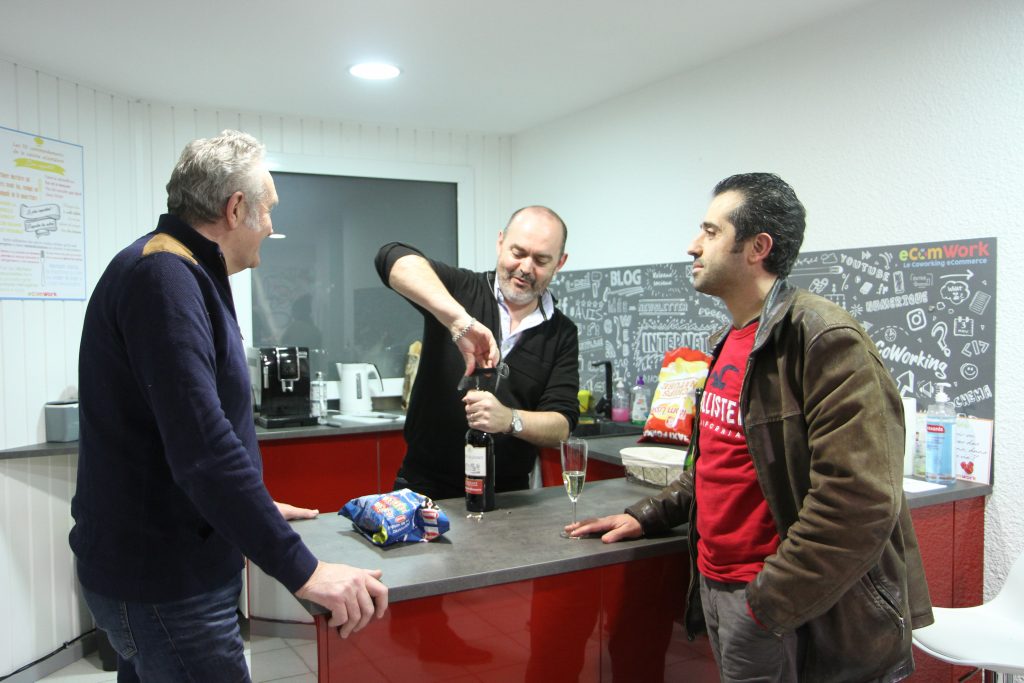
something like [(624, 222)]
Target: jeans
[(195, 639)]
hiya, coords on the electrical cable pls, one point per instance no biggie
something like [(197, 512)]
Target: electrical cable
[(65, 646)]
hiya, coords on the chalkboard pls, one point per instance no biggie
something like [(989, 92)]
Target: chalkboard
[(930, 309)]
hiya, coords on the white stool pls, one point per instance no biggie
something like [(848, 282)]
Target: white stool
[(989, 637)]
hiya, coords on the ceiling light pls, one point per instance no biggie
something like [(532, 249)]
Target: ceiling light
[(277, 236), (375, 71)]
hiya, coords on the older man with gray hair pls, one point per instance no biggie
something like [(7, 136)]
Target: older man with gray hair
[(170, 494)]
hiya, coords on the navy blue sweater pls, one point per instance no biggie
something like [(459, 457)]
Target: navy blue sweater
[(170, 492)]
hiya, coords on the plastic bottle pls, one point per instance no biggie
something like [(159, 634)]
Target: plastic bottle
[(940, 422), (641, 403), (318, 398), (620, 403)]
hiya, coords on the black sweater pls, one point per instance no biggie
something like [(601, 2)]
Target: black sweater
[(543, 376), (170, 492)]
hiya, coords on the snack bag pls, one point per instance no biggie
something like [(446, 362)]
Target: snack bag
[(399, 516), (683, 371)]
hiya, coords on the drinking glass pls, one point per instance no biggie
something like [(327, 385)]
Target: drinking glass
[(574, 472)]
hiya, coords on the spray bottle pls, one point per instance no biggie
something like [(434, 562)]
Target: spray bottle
[(641, 403), (940, 422)]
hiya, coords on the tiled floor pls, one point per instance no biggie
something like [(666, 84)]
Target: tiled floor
[(278, 660)]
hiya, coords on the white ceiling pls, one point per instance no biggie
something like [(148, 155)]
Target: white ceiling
[(483, 65)]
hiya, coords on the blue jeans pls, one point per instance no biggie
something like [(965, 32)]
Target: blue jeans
[(195, 639)]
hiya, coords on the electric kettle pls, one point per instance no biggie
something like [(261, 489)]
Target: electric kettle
[(354, 394)]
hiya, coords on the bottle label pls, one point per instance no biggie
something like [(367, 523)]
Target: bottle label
[(474, 486), (476, 462)]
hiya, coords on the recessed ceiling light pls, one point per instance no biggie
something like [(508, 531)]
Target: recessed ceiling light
[(277, 236), (375, 71)]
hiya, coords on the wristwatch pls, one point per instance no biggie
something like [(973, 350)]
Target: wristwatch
[(517, 423)]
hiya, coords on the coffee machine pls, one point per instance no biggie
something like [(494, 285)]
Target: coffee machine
[(280, 384)]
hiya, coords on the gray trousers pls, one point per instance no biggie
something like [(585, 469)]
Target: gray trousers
[(744, 650)]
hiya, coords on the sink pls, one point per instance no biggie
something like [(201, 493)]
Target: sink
[(606, 428)]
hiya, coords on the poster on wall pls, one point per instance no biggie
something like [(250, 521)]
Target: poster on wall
[(929, 308), (42, 218)]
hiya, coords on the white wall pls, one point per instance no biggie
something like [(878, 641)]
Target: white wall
[(129, 150), (902, 121)]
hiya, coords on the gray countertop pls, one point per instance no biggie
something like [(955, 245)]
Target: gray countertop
[(516, 542), (606, 449), (48, 448), (603, 448)]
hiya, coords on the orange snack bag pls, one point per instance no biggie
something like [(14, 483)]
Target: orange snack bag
[(683, 371)]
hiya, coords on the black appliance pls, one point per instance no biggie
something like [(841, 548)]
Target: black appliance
[(280, 382)]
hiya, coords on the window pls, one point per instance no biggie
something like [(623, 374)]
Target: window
[(318, 287)]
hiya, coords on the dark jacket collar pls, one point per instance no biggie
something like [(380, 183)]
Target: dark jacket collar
[(206, 251), (778, 301)]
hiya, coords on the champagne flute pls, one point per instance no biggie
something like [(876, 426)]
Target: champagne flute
[(574, 472)]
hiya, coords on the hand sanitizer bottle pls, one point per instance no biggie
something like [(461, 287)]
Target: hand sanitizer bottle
[(940, 422)]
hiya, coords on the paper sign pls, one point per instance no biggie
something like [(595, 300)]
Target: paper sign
[(972, 450)]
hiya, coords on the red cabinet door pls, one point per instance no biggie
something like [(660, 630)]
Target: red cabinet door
[(321, 472)]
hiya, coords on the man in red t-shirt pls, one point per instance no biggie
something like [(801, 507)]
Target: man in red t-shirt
[(805, 554)]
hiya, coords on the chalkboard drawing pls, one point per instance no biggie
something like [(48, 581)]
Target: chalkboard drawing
[(963, 326), (905, 382), (969, 371), (921, 281), (917, 319), (975, 347), (979, 303), (40, 219), (897, 282), (955, 292), (595, 282), (942, 329), (837, 299)]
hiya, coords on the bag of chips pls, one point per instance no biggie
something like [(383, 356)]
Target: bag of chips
[(683, 371), (396, 517)]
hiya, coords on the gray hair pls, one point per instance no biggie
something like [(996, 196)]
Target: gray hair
[(210, 170)]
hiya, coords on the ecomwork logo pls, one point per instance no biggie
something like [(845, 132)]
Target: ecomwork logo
[(979, 249)]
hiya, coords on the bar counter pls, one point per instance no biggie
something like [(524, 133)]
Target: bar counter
[(502, 598)]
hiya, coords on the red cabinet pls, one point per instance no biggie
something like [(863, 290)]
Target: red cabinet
[(952, 541), (618, 622), (322, 472), (551, 468)]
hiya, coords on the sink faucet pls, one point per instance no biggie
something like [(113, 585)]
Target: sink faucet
[(604, 406)]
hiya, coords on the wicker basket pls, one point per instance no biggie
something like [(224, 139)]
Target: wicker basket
[(654, 466)]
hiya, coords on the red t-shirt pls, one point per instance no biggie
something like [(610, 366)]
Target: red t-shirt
[(736, 528)]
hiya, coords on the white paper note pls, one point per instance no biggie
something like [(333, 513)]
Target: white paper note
[(972, 449)]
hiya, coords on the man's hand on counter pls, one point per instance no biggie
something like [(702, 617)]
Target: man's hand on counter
[(352, 595), (290, 512), (612, 528)]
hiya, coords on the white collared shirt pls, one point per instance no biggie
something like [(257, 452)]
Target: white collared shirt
[(536, 317)]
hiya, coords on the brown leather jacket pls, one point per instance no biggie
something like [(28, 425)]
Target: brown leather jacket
[(823, 421)]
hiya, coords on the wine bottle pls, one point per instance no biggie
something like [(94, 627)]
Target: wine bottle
[(479, 471)]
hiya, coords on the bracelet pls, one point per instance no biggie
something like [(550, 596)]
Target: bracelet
[(464, 331)]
